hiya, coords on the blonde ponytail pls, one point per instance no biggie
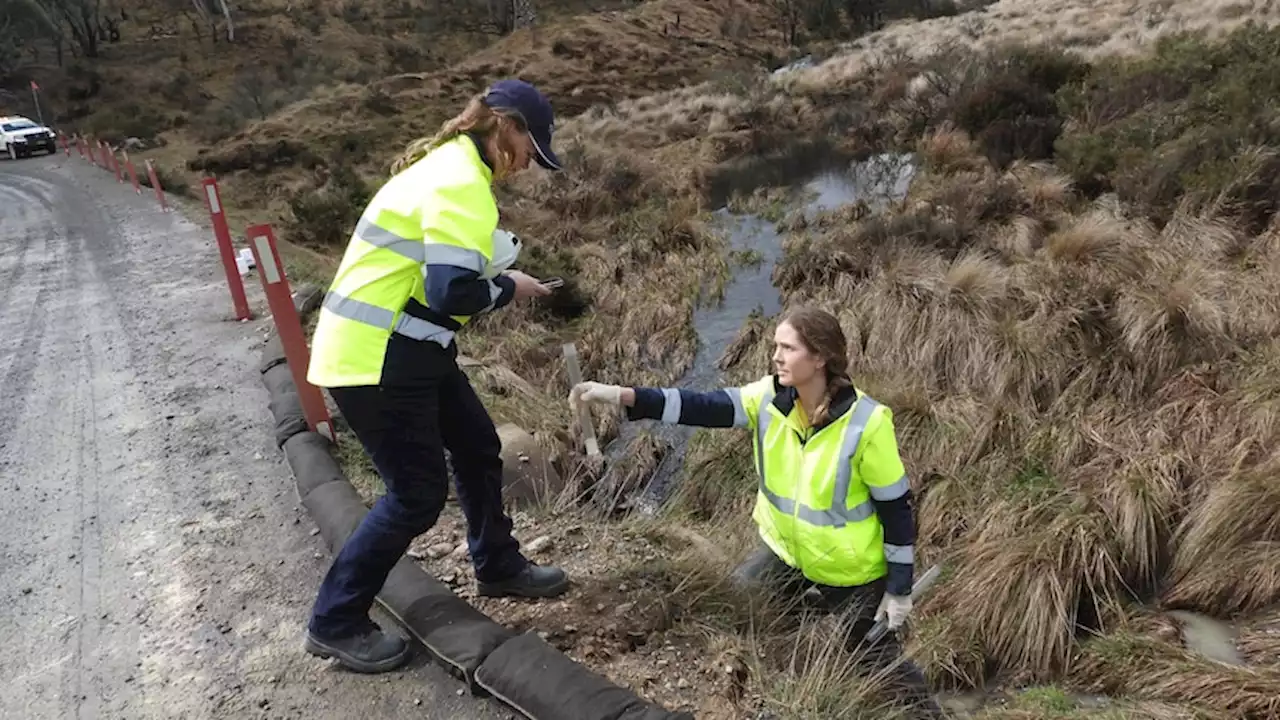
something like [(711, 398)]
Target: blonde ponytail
[(475, 117)]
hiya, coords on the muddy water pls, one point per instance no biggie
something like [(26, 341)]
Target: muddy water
[(1208, 637), (877, 182)]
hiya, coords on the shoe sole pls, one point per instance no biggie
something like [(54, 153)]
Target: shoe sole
[(549, 591), (321, 650)]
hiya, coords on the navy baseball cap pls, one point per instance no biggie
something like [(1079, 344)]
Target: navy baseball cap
[(534, 108)]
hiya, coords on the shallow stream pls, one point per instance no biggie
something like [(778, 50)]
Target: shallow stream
[(878, 181)]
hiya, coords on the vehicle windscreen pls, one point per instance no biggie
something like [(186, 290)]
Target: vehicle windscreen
[(21, 125)]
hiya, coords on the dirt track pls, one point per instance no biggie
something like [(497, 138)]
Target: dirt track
[(154, 560)]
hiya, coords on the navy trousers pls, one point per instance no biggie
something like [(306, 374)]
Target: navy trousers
[(405, 430)]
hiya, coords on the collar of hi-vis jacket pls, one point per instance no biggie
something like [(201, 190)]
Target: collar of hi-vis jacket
[(785, 399)]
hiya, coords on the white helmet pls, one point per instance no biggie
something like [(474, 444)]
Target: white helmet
[(506, 248)]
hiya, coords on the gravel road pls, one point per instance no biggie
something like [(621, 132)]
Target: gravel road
[(154, 559)]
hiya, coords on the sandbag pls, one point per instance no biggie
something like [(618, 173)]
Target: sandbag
[(459, 635), (312, 462), (272, 353), (337, 510), (307, 299), (285, 405), (545, 684)]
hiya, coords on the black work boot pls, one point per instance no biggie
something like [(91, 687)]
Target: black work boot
[(533, 582), (370, 651)]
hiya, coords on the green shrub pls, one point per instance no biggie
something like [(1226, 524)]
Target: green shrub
[(326, 217), (1196, 120)]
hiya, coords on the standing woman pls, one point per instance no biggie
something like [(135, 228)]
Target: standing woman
[(425, 258), (833, 505)]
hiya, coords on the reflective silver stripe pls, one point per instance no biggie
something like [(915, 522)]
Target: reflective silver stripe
[(739, 410), (892, 491), (343, 306), (406, 325), (905, 554), (762, 429), (839, 514), (420, 329), (387, 240), (442, 254), (852, 437), (671, 406)]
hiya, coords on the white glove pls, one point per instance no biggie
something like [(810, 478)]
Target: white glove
[(585, 393), (896, 608)]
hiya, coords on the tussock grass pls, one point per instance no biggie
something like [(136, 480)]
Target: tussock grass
[(1132, 662)]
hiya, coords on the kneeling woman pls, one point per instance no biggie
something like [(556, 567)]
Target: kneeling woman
[(834, 505)]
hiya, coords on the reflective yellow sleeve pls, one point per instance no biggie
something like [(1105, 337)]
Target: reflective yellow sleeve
[(880, 465)]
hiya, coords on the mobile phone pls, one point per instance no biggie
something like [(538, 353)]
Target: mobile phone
[(553, 283)]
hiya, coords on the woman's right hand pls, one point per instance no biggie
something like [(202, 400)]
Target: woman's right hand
[(527, 286), (594, 393)]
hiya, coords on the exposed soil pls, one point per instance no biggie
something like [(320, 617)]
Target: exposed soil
[(615, 619)]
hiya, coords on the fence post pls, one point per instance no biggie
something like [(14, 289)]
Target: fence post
[(223, 235), (155, 184), (115, 165), (275, 284), (133, 172)]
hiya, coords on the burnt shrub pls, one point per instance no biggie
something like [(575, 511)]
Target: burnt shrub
[(1007, 102)]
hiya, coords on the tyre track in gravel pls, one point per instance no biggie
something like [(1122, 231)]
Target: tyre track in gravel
[(154, 562)]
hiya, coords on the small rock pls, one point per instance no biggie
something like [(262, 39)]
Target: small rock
[(263, 703), (416, 554), (315, 531), (539, 544), (624, 608), (26, 591), (417, 701), (682, 683), (460, 552), (439, 550), (458, 692)]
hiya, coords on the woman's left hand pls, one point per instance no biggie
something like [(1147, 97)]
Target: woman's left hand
[(896, 608)]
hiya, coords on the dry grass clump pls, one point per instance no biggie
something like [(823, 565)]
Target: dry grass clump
[(1259, 642)]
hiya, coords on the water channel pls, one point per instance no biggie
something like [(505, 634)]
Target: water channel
[(877, 181)]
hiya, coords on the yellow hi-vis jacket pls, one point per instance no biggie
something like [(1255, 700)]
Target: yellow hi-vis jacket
[(821, 495), (440, 212)]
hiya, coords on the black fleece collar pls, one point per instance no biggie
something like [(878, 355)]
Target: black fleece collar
[(785, 398)]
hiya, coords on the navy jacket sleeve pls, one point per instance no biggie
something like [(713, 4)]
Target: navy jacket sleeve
[(454, 290), (673, 406)]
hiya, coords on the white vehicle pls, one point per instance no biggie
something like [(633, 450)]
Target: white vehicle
[(22, 137)]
